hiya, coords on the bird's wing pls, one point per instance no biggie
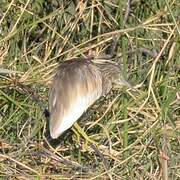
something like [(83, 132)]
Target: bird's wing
[(75, 88)]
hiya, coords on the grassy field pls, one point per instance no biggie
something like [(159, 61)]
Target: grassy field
[(133, 134)]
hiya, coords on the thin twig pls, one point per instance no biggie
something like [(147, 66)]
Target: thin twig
[(104, 160), (34, 96), (61, 159), (127, 12), (19, 163)]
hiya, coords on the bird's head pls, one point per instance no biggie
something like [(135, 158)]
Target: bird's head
[(112, 71)]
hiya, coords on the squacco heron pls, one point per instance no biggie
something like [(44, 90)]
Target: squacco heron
[(78, 83)]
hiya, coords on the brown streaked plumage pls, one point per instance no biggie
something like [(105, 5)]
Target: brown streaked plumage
[(77, 84)]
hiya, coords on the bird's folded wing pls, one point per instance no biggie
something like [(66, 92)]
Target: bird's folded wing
[(74, 90)]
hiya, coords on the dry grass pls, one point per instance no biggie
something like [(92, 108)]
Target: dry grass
[(133, 134)]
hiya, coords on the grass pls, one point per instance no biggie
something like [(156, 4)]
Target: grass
[(136, 132)]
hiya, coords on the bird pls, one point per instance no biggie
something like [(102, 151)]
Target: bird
[(77, 84)]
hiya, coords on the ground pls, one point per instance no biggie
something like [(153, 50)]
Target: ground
[(133, 133)]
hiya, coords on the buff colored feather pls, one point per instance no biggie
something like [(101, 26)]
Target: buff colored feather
[(77, 84)]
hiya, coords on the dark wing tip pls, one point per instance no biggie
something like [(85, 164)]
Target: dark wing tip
[(46, 113)]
